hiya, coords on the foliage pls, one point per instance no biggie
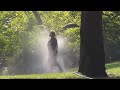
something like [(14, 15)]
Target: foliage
[(111, 26), (56, 20), (73, 35), (12, 27)]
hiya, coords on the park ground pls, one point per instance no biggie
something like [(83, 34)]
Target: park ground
[(112, 69)]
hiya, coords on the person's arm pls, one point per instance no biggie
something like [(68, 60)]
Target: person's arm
[(48, 45), (56, 46)]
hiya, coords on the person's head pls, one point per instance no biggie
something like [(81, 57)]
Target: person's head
[(52, 34)]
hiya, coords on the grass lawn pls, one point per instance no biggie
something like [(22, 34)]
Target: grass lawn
[(64, 75), (113, 69)]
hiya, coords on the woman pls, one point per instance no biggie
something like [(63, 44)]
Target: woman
[(52, 48)]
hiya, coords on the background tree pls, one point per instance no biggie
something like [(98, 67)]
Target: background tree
[(111, 32)]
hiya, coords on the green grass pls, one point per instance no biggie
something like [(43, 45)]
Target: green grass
[(111, 68), (65, 75)]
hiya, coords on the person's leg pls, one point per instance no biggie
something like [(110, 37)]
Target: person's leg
[(49, 64), (57, 64)]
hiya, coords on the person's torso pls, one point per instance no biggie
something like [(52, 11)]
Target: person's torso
[(52, 43)]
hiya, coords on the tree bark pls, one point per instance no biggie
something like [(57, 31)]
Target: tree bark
[(37, 17), (92, 55)]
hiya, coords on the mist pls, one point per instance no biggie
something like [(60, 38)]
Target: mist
[(38, 57), (62, 46)]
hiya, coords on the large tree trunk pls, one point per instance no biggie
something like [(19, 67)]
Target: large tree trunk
[(92, 55)]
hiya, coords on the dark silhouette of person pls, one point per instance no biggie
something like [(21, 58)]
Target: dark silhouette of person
[(53, 50)]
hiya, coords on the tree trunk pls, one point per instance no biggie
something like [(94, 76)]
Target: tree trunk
[(92, 55), (39, 20), (37, 17)]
